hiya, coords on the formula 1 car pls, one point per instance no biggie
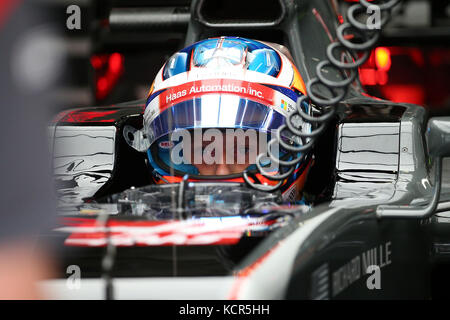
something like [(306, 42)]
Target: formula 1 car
[(375, 224)]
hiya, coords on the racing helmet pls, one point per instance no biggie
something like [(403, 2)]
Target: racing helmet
[(227, 85)]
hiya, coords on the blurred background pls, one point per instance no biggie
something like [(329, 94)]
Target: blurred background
[(112, 61)]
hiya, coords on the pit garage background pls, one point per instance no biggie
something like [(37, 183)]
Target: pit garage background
[(112, 60)]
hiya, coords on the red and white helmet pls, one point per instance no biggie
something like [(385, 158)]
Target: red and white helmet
[(220, 84)]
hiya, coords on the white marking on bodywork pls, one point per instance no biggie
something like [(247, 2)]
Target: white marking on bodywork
[(270, 278)]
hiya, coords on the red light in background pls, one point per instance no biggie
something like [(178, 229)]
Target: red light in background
[(116, 63), (108, 69), (408, 93), (418, 75), (372, 77), (368, 77), (382, 77), (97, 62), (383, 58), (375, 70), (102, 84)]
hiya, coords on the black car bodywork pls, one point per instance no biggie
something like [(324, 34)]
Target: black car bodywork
[(373, 153)]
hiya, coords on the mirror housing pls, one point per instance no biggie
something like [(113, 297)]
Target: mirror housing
[(438, 141), (135, 138), (438, 137)]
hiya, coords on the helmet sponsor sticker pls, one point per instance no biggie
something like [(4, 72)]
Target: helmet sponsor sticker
[(166, 144), (247, 90), (190, 90)]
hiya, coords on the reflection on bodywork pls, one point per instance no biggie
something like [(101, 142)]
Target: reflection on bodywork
[(83, 160), (367, 160)]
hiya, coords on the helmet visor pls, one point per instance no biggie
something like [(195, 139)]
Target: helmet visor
[(217, 111), (216, 134)]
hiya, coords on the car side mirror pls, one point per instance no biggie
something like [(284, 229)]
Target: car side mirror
[(438, 141), (438, 137), (135, 138)]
